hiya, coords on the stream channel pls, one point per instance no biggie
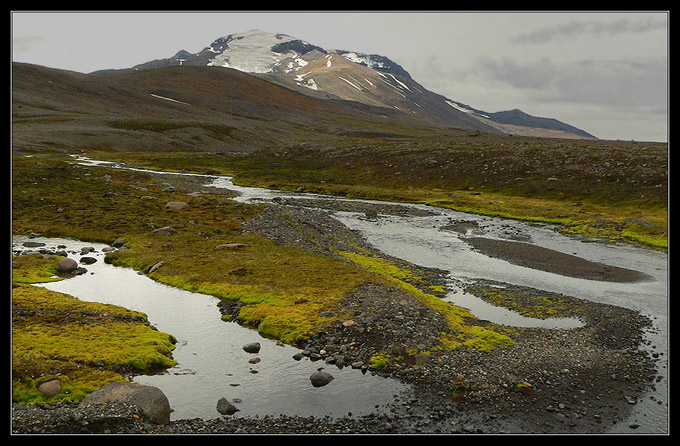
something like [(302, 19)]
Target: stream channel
[(213, 365)]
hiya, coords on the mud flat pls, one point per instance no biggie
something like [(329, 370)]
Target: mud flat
[(544, 259)]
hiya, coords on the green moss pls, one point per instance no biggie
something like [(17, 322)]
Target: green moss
[(380, 360), (538, 306), (75, 384), (282, 289), (486, 340), (57, 335), (437, 288), (35, 269)]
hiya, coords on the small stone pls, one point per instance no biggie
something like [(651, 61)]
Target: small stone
[(155, 266), (175, 205), (166, 230)]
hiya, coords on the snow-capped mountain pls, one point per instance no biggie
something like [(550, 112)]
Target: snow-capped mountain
[(344, 75)]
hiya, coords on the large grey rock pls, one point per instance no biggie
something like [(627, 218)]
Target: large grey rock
[(225, 407), (151, 400), (66, 265), (320, 379)]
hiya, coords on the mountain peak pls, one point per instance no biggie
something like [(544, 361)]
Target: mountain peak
[(369, 79)]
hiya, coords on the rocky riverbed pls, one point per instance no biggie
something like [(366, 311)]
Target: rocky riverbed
[(581, 380)]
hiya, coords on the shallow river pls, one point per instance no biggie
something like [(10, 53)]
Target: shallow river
[(212, 363)]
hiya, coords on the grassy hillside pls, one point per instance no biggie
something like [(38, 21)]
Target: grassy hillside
[(178, 109)]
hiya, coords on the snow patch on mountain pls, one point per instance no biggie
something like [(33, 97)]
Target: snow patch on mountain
[(459, 107), (353, 85), (168, 99), (251, 51)]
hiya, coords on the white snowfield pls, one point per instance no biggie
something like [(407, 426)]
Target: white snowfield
[(251, 52)]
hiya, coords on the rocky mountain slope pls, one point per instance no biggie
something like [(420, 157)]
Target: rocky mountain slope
[(367, 79), (187, 108)]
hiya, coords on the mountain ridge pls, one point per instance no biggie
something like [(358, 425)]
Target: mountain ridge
[(189, 108), (285, 60)]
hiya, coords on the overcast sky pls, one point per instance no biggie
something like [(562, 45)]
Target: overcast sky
[(603, 72)]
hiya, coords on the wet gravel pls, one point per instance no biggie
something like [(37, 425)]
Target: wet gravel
[(581, 380)]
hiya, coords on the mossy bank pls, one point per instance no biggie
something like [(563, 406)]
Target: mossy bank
[(611, 190), (284, 292)]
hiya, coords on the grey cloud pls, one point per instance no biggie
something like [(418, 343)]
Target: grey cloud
[(619, 83), (27, 43), (591, 27), (533, 75)]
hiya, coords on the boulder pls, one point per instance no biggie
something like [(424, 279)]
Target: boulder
[(320, 379), (50, 388), (66, 265), (225, 407), (151, 400)]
